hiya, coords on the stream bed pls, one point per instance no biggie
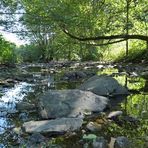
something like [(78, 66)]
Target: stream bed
[(25, 83)]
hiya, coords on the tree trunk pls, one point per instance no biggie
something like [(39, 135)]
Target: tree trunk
[(127, 24)]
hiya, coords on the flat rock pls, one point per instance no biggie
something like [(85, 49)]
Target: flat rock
[(59, 125), (104, 85), (70, 103)]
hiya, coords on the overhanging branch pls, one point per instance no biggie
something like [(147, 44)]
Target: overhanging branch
[(103, 44), (108, 43), (125, 37)]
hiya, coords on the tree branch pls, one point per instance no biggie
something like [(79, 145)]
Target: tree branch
[(126, 37), (108, 43)]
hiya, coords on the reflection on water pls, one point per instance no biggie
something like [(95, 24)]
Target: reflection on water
[(137, 105), (134, 106), (8, 101), (3, 125)]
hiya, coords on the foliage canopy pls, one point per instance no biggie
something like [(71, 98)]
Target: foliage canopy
[(74, 29)]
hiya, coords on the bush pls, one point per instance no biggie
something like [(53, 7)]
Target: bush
[(7, 51), (28, 53), (137, 52)]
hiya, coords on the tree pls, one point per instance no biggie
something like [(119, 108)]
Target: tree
[(93, 23)]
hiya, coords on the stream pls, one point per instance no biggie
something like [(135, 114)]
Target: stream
[(26, 82)]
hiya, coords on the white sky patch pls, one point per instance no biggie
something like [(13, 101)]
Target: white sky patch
[(13, 38)]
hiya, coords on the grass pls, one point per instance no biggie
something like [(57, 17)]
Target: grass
[(116, 53)]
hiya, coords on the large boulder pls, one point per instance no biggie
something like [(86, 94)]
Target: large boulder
[(104, 85), (70, 103), (59, 125)]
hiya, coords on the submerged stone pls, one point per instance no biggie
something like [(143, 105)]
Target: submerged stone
[(53, 126), (100, 142), (104, 85), (122, 142), (70, 103)]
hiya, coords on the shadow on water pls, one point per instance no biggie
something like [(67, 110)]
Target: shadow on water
[(135, 105)]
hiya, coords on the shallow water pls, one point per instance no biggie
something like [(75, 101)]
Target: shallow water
[(8, 102), (135, 105)]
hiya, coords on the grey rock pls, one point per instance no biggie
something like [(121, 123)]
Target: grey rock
[(23, 116), (100, 142), (53, 126), (122, 142), (114, 114), (36, 138), (104, 85), (70, 103), (74, 75), (93, 127)]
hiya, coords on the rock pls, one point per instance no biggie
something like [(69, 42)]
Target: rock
[(6, 84), (127, 121), (17, 130), (112, 142), (21, 106), (100, 142), (36, 138), (10, 81), (59, 125), (26, 75), (23, 116), (144, 74), (104, 85), (122, 142), (144, 114), (133, 121), (69, 103), (89, 137), (74, 75), (114, 114), (93, 127), (50, 145)]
